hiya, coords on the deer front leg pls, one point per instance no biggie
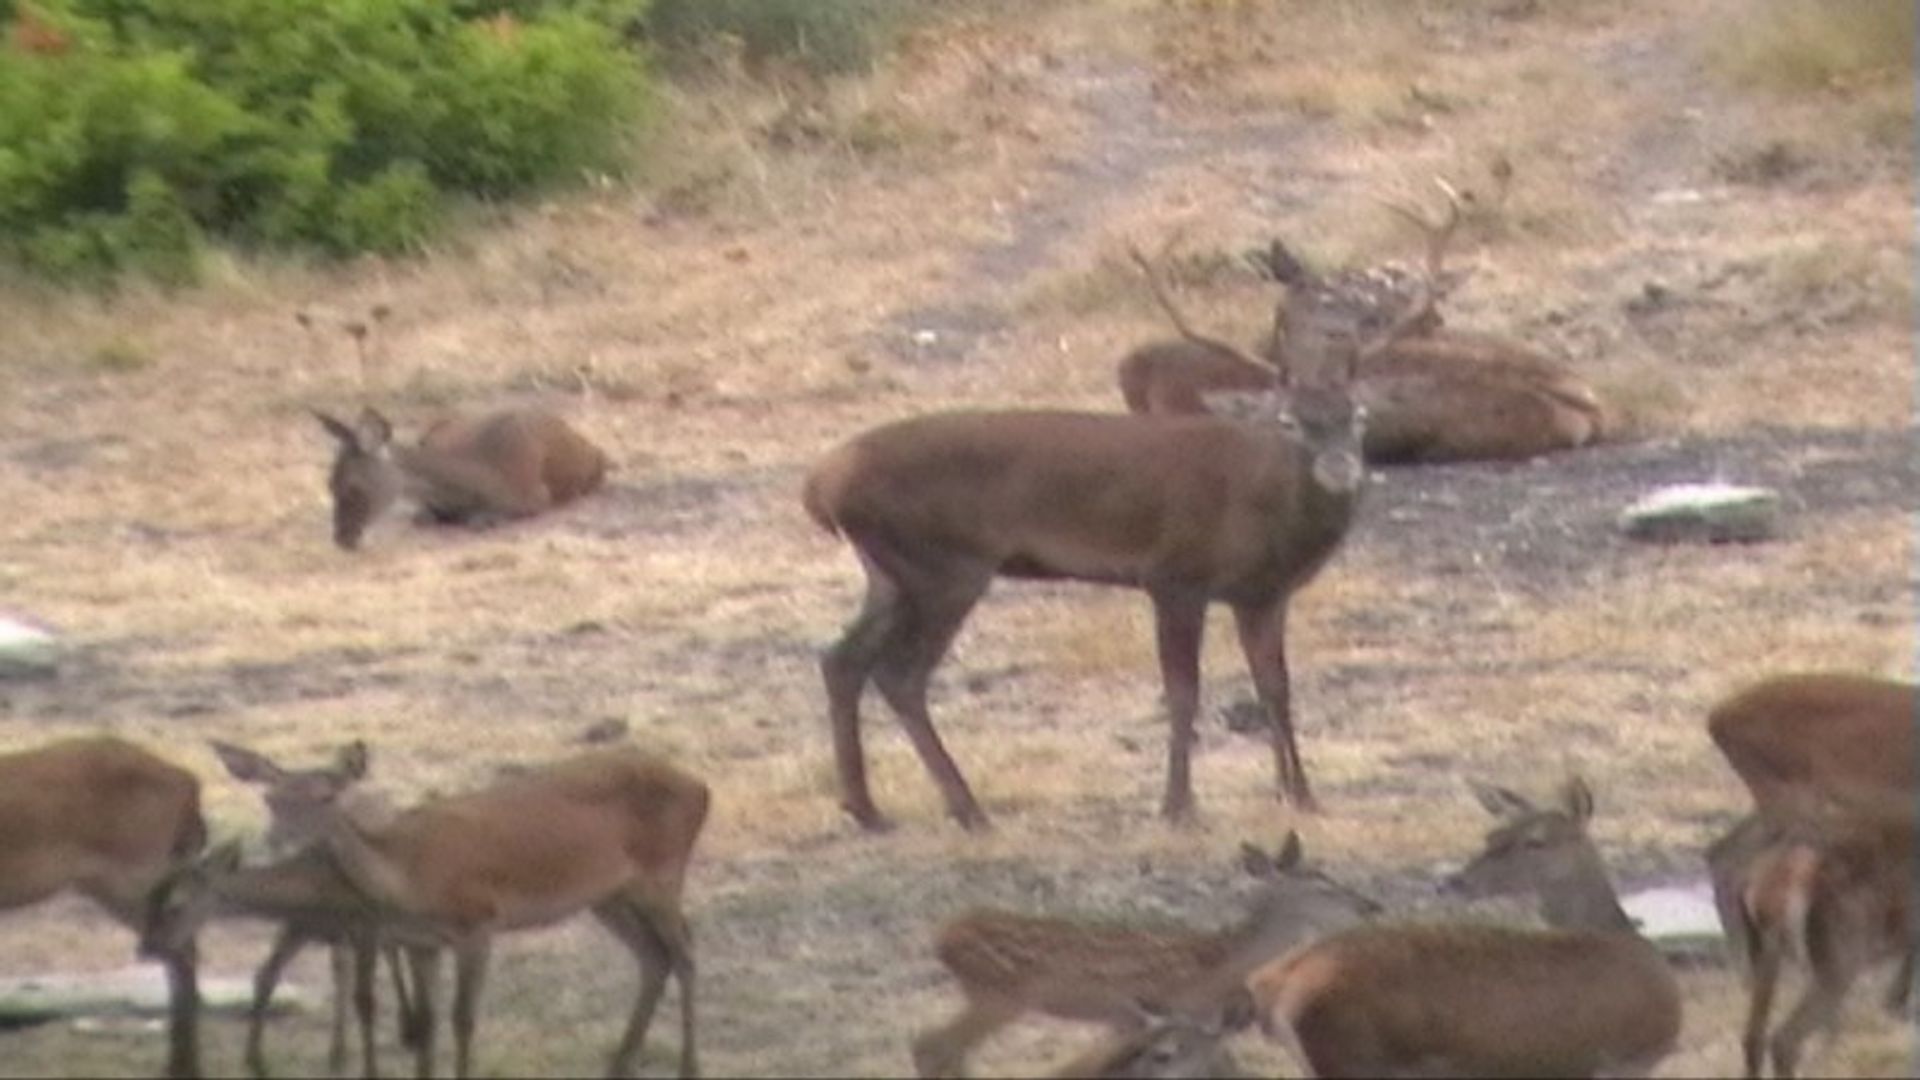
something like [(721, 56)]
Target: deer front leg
[(1263, 638), (1180, 622), (286, 946)]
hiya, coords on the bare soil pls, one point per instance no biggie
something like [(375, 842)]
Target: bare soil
[(1747, 311)]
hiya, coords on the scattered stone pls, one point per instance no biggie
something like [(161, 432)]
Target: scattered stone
[(1704, 513), (609, 730), (130, 991)]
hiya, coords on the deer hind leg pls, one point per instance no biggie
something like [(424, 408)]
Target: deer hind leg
[(1180, 622), (406, 998), (942, 1051), (938, 598), (340, 959), (1263, 638), (1763, 978), (1819, 1010), (660, 944), (1900, 990), (845, 667), (469, 978)]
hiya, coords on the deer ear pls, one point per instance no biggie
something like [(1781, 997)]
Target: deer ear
[(245, 765), (1500, 802), (352, 760), (372, 431), (337, 428), (1290, 854), (1577, 798)]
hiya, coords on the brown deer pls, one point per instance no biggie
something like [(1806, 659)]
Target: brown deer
[(1187, 509), (1009, 964), (1588, 997), (1812, 745), (1435, 395), (507, 464), (101, 817), (298, 801), (1834, 898), (610, 831)]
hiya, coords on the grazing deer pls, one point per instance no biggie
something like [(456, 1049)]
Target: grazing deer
[(1814, 745), (102, 817), (1189, 510), (507, 464), (1588, 997), (1435, 395), (609, 831), (1165, 1047), (298, 801), (1009, 964)]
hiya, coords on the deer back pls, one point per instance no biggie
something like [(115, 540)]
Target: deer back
[(532, 848), (95, 814), (1808, 744), (1195, 501), (1471, 1000), (1173, 377)]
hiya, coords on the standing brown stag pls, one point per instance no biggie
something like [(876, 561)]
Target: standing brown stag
[(506, 464), (1009, 964), (1188, 509), (1588, 997), (101, 817), (1835, 897), (1437, 394)]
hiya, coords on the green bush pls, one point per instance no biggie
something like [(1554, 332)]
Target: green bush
[(345, 127), (825, 36)]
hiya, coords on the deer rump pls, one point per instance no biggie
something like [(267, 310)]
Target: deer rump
[(1139, 501)]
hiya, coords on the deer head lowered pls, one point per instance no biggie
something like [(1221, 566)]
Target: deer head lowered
[(506, 464), (1189, 510)]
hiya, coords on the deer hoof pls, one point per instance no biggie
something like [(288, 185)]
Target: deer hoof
[(973, 820), (869, 818)]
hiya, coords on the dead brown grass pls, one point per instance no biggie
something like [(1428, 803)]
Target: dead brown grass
[(724, 322)]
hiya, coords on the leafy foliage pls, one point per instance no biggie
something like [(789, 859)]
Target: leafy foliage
[(130, 129)]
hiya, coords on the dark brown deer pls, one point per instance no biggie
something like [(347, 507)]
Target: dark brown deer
[(473, 470), (298, 802), (1189, 510), (1436, 394), (1835, 898), (101, 817), (1009, 964), (1588, 997)]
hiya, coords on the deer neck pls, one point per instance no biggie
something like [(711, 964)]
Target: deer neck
[(1583, 898), (443, 479), (307, 883)]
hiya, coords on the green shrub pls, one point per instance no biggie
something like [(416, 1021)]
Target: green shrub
[(825, 36), (344, 128)]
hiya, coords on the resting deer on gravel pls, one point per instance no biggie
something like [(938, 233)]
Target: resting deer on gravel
[(1188, 509), (298, 802), (1435, 395), (1009, 964), (508, 464), (106, 819), (1588, 997)]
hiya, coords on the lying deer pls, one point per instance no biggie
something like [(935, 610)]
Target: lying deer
[(507, 464), (610, 831), (1588, 997), (1187, 509), (1010, 964), (1814, 744), (102, 817), (1435, 395), (298, 801), (1834, 899)]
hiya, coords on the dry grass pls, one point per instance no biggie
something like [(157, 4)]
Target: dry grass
[(752, 302)]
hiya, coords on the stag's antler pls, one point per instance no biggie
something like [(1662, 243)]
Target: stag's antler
[(1437, 233), (1150, 269)]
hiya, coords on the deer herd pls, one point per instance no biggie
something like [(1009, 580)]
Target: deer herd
[(1231, 479)]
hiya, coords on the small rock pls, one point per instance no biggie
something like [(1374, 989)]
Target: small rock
[(604, 731), (1704, 513), (27, 651)]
